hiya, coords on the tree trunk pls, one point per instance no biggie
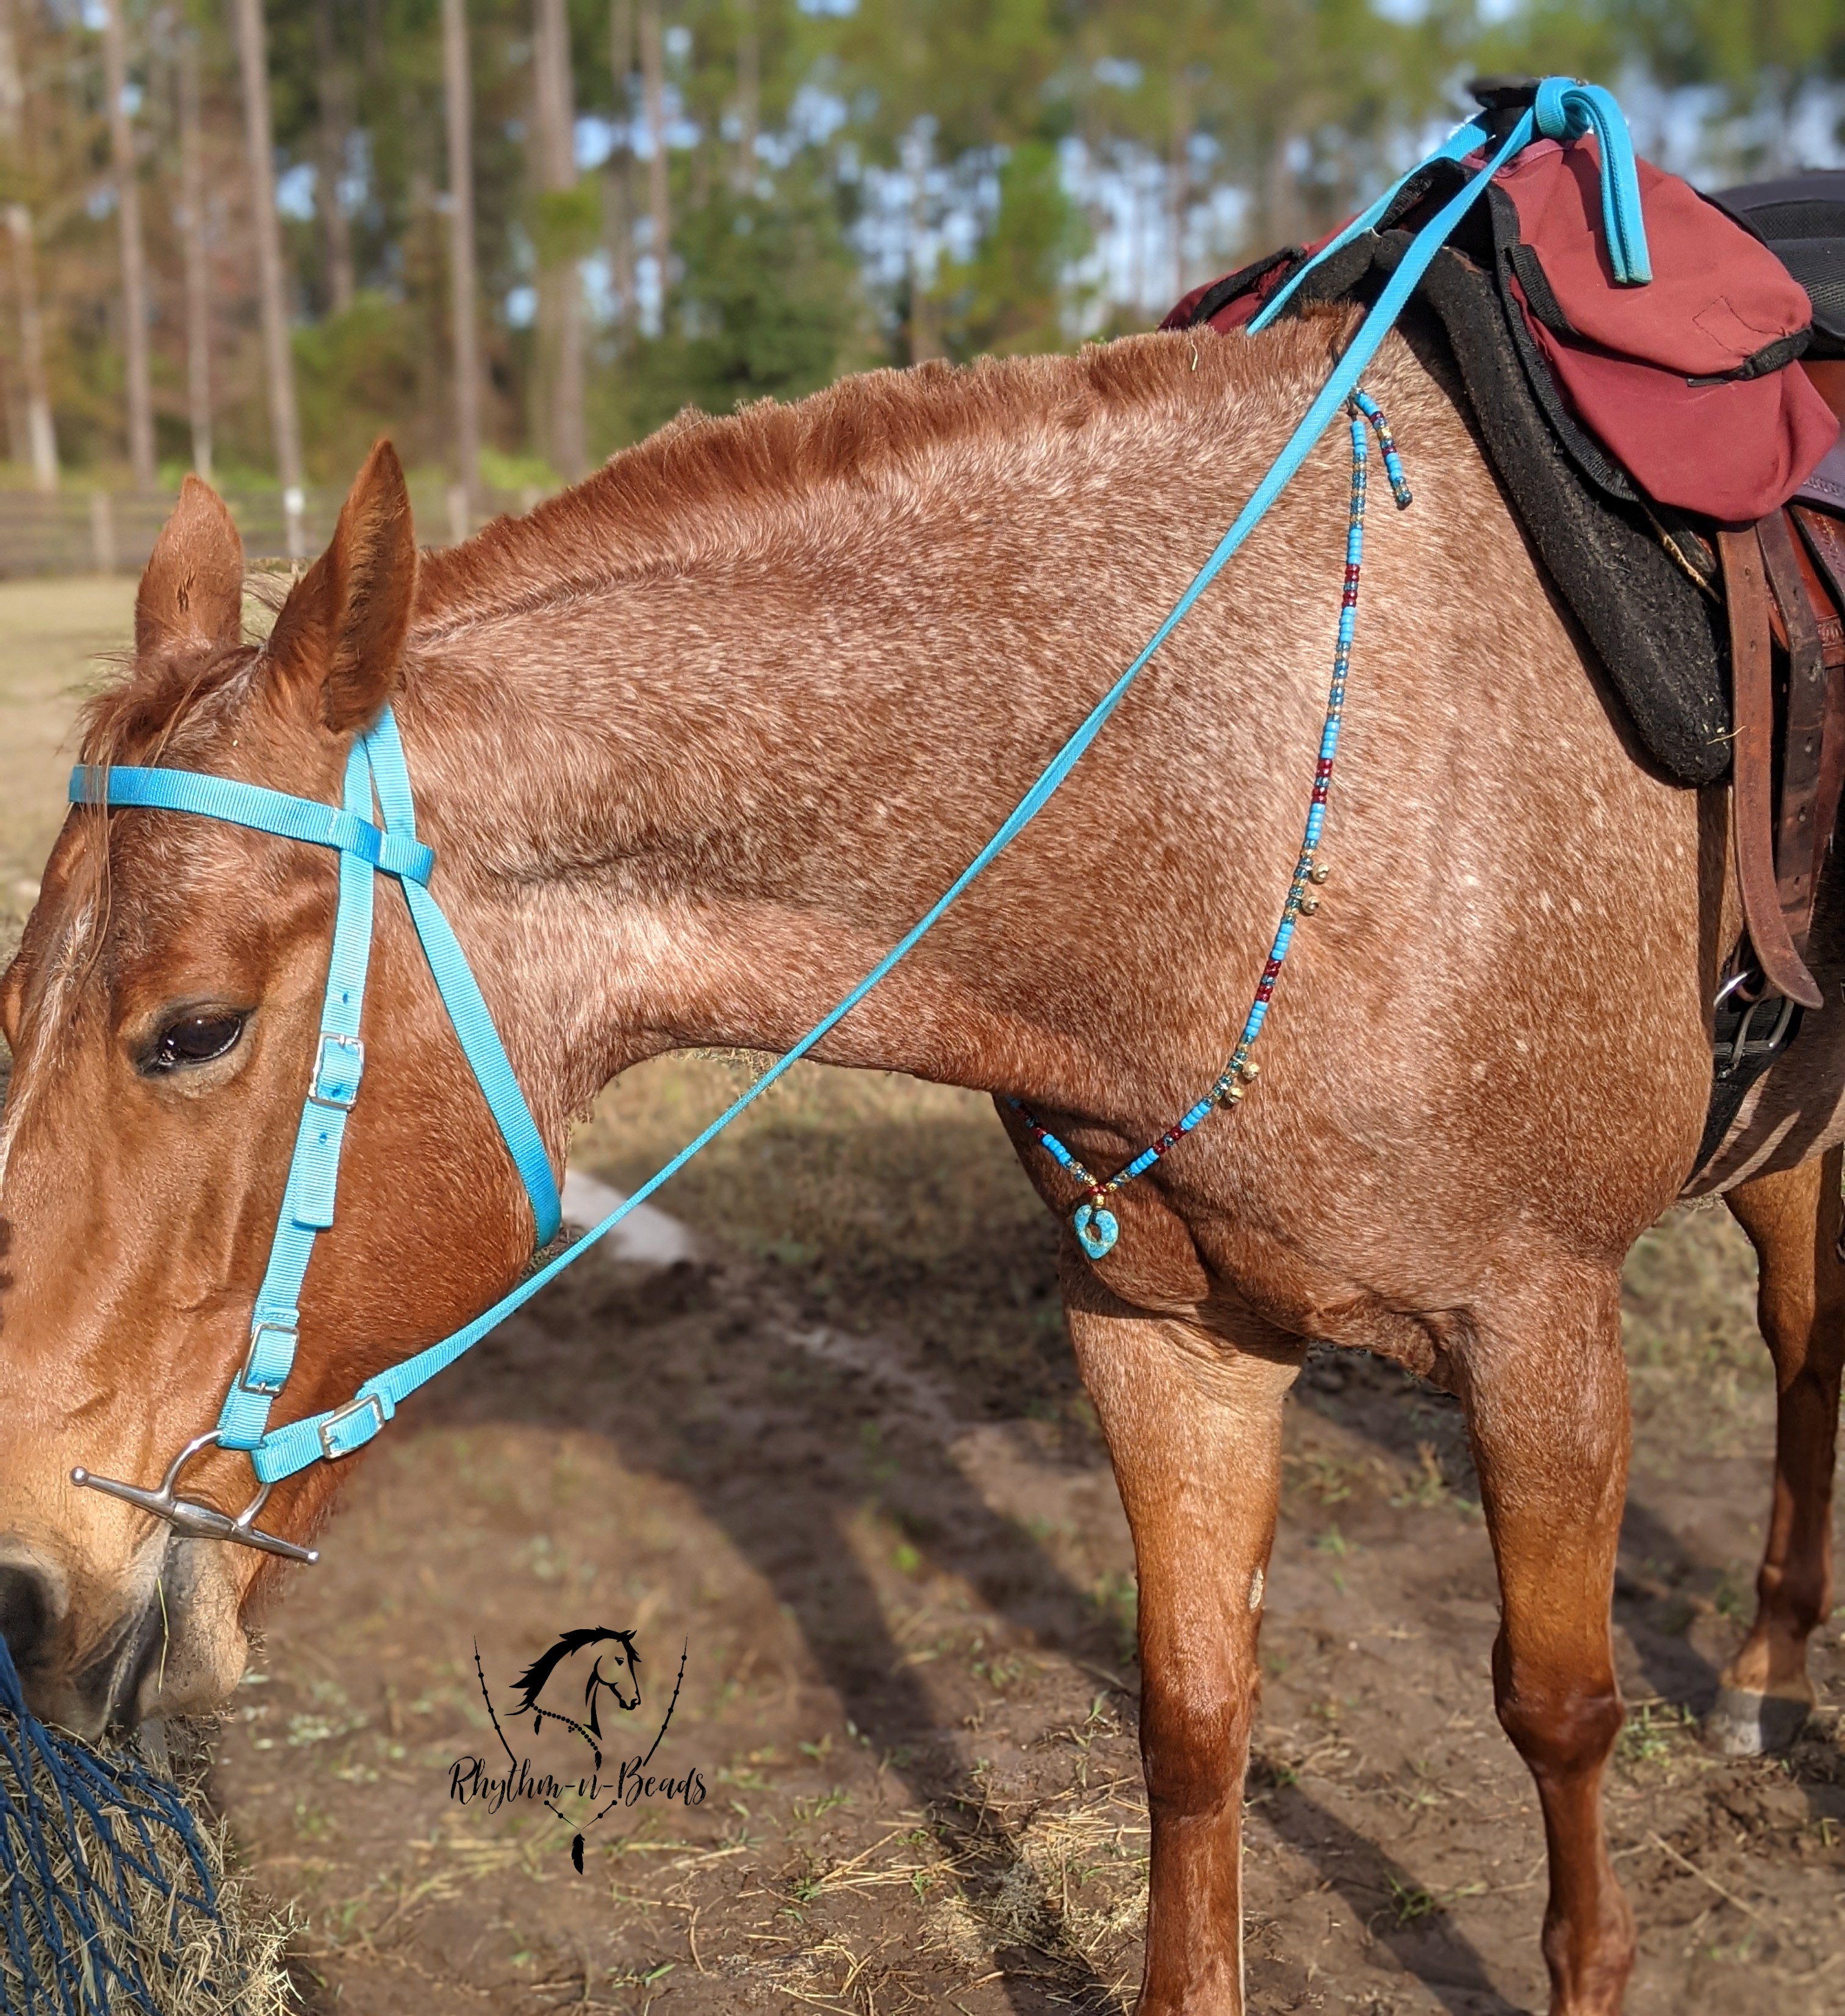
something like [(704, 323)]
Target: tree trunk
[(19, 430), (12, 89), (284, 419), (1282, 210), (560, 285), (464, 287), (1179, 178), (653, 82), (38, 413), (925, 340), (198, 279), (18, 438), (749, 93), (128, 200), (618, 229), (336, 127)]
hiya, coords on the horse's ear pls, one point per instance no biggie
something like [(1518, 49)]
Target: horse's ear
[(340, 634), (192, 594)]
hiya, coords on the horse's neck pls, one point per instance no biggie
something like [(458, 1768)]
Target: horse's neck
[(696, 824), (696, 806)]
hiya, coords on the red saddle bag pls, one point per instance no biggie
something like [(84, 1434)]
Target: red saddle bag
[(1686, 382)]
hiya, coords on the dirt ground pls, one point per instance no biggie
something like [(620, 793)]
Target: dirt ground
[(838, 1459)]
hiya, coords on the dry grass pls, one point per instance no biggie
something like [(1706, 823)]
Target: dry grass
[(54, 637), (194, 1963)]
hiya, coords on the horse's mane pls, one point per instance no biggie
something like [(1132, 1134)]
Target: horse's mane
[(133, 721), (701, 485)]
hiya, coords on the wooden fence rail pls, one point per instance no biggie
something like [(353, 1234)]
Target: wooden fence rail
[(105, 531)]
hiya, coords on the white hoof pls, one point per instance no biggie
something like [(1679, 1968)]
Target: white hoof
[(1746, 1724)]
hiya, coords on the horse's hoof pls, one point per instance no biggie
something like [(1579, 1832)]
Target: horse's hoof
[(1746, 1724)]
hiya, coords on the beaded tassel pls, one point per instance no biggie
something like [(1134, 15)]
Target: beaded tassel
[(1097, 1227)]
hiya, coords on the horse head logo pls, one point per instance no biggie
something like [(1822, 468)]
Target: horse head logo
[(599, 1662), (573, 1660)]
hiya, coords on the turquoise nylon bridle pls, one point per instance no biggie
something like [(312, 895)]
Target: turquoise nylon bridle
[(375, 771)]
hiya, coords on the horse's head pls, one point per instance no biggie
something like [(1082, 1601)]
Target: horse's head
[(162, 1014), (614, 1673), (574, 1672)]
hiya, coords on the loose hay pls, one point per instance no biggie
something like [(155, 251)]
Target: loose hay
[(112, 1898)]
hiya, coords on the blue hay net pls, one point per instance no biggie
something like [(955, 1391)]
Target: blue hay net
[(68, 1919)]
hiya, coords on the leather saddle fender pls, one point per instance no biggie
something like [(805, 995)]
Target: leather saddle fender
[(1785, 581), (1771, 585)]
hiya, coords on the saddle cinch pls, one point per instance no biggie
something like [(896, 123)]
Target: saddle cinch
[(1673, 453)]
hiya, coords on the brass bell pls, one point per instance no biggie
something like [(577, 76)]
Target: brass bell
[(1309, 905), (1230, 1095), (1248, 1068), (1318, 873)]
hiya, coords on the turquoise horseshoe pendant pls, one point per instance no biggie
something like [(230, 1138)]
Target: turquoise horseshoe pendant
[(1096, 1228)]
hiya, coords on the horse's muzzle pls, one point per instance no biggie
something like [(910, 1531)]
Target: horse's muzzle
[(104, 1686)]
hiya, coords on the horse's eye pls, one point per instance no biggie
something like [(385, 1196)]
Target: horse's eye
[(194, 1039)]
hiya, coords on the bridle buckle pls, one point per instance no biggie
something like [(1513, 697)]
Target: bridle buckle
[(354, 1406), (266, 1387), (341, 1099)]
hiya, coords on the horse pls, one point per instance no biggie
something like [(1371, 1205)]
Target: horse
[(694, 743)]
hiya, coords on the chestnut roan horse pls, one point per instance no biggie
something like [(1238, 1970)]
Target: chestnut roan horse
[(695, 744)]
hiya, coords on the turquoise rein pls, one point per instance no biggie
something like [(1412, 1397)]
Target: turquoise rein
[(376, 767)]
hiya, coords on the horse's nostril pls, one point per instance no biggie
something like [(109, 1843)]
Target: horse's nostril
[(25, 1611)]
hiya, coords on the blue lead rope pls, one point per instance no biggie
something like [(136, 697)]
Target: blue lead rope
[(392, 848), (1096, 1225)]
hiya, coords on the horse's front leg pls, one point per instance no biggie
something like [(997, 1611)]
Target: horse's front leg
[(1545, 1388), (1194, 1428), (1792, 1220)]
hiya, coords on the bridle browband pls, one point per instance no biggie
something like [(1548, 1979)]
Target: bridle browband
[(376, 769)]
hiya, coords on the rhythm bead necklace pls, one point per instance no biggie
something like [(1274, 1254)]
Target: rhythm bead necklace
[(1097, 1228)]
